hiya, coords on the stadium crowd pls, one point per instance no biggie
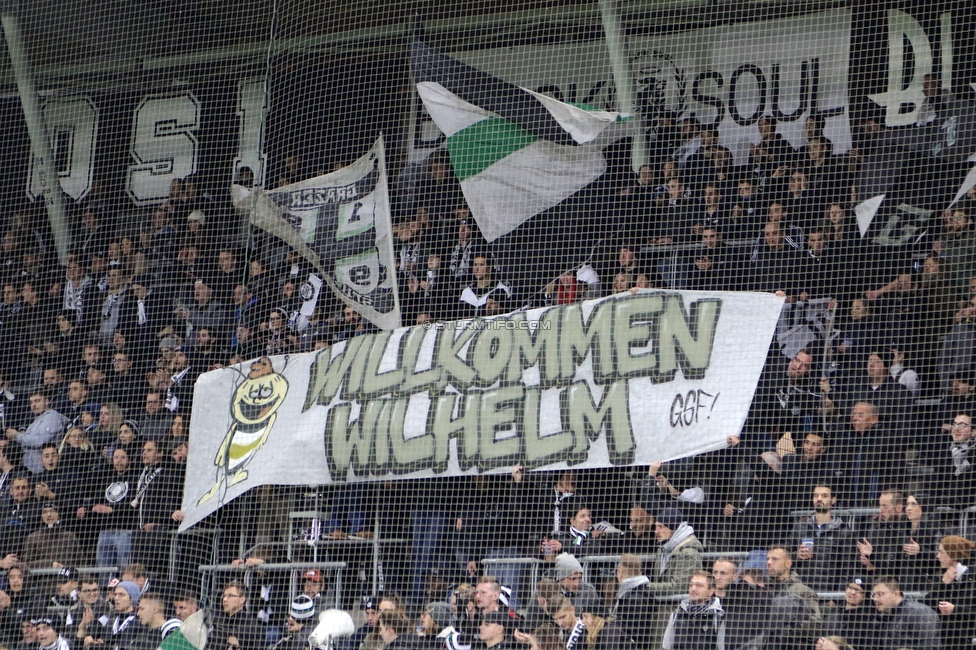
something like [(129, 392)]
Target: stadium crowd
[(865, 427)]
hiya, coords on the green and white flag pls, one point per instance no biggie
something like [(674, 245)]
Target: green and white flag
[(515, 152)]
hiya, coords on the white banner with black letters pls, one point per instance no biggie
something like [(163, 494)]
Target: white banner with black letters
[(727, 75), (625, 380)]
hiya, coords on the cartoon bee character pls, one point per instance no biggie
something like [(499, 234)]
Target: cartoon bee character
[(255, 406)]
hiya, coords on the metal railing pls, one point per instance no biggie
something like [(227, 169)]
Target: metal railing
[(209, 574), (608, 559), (89, 570), (535, 562), (965, 514)]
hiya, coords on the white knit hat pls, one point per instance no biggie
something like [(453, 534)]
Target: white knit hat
[(302, 608)]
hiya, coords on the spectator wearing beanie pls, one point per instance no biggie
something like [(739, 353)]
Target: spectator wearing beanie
[(437, 625), (48, 630), (369, 606), (678, 555), (568, 574), (670, 570), (953, 596), (854, 618), (123, 627), (301, 623), (496, 631)]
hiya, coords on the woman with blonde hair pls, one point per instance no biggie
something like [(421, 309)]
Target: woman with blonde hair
[(603, 633), (107, 430), (466, 614), (77, 452)]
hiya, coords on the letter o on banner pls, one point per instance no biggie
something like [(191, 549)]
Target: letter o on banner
[(491, 350), (755, 71)]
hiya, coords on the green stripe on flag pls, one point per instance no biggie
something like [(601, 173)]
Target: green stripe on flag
[(481, 145)]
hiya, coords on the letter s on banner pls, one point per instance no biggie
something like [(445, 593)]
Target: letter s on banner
[(163, 145), (72, 124)]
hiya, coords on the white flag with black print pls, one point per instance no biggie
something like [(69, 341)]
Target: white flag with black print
[(340, 222)]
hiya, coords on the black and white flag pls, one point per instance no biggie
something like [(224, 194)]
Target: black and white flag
[(340, 222)]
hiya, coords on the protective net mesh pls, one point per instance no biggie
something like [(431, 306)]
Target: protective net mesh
[(587, 325)]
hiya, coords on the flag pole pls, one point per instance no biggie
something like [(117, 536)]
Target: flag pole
[(623, 80), (42, 157)]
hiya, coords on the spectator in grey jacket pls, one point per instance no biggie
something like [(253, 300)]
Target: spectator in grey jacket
[(782, 579), (677, 559), (825, 544), (203, 313), (903, 623), (678, 556), (48, 426), (568, 573)]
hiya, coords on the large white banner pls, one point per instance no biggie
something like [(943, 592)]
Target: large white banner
[(624, 380), (729, 75)]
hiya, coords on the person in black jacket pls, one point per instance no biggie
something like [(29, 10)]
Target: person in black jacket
[(496, 631), (881, 547), (55, 483), (747, 608), (20, 515), (234, 620), (953, 479), (787, 396), (106, 512), (776, 265), (806, 470), (156, 624), (604, 634), (546, 506), (124, 628), (919, 564), (301, 624), (634, 602), (397, 632), (638, 539), (156, 498), (953, 595), (91, 606), (824, 544), (698, 623), (579, 538), (854, 620), (870, 457), (488, 529), (19, 598)]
